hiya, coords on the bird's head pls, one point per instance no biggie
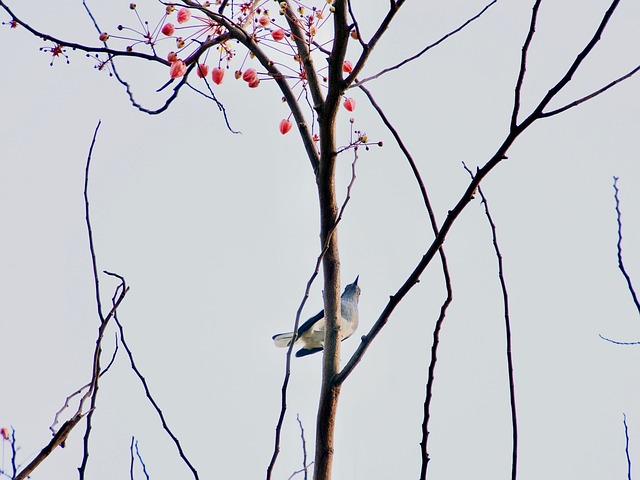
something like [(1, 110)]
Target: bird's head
[(352, 289)]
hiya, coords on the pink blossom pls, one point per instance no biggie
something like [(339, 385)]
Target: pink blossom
[(202, 70), (184, 14), (264, 20), (347, 66), (168, 29), (250, 75), (254, 83), (285, 126), (278, 35), (350, 104), (178, 69), (4, 433), (217, 75)]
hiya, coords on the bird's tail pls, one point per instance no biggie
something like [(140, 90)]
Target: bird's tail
[(283, 339)]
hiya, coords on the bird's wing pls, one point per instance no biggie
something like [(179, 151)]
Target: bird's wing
[(307, 351), (310, 323)]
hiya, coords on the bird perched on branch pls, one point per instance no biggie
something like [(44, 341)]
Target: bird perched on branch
[(311, 332)]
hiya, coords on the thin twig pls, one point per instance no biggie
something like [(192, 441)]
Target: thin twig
[(304, 447), (134, 444), (616, 341), (551, 94), (81, 389), (619, 246), (358, 83), (147, 392), (626, 445), (575, 103), (14, 453), (523, 64), (507, 325)]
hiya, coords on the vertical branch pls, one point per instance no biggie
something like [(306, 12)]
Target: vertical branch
[(523, 65), (304, 447), (626, 445), (619, 246), (13, 453), (93, 389), (131, 459), (507, 325)]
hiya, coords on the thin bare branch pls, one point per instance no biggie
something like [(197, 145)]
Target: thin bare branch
[(147, 392), (56, 418), (79, 46), (619, 246), (507, 325), (94, 266), (14, 453), (523, 64), (581, 100), (134, 446), (538, 112), (447, 280), (357, 83), (61, 435), (304, 447), (617, 342), (367, 48), (219, 104), (626, 445), (92, 391)]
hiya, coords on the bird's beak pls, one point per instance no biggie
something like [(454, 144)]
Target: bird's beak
[(356, 282)]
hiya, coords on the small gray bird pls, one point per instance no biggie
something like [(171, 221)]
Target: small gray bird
[(311, 332)]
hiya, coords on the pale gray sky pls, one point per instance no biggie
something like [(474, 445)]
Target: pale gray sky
[(217, 234)]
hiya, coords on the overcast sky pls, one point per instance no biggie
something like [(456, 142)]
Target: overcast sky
[(217, 234)]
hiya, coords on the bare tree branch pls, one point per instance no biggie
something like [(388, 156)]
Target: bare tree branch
[(61, 435), (132, 446), (538, 112), (147, 392), (447, 280), (626, 445), (304, 447), (13, 453), (358, 83), (619, 246), (581, 100), (507, 325), (81, 389), (621, 261), (467, 196), (523, 64), (79, 46)]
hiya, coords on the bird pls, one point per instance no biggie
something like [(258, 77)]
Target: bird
[(311, 332)]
